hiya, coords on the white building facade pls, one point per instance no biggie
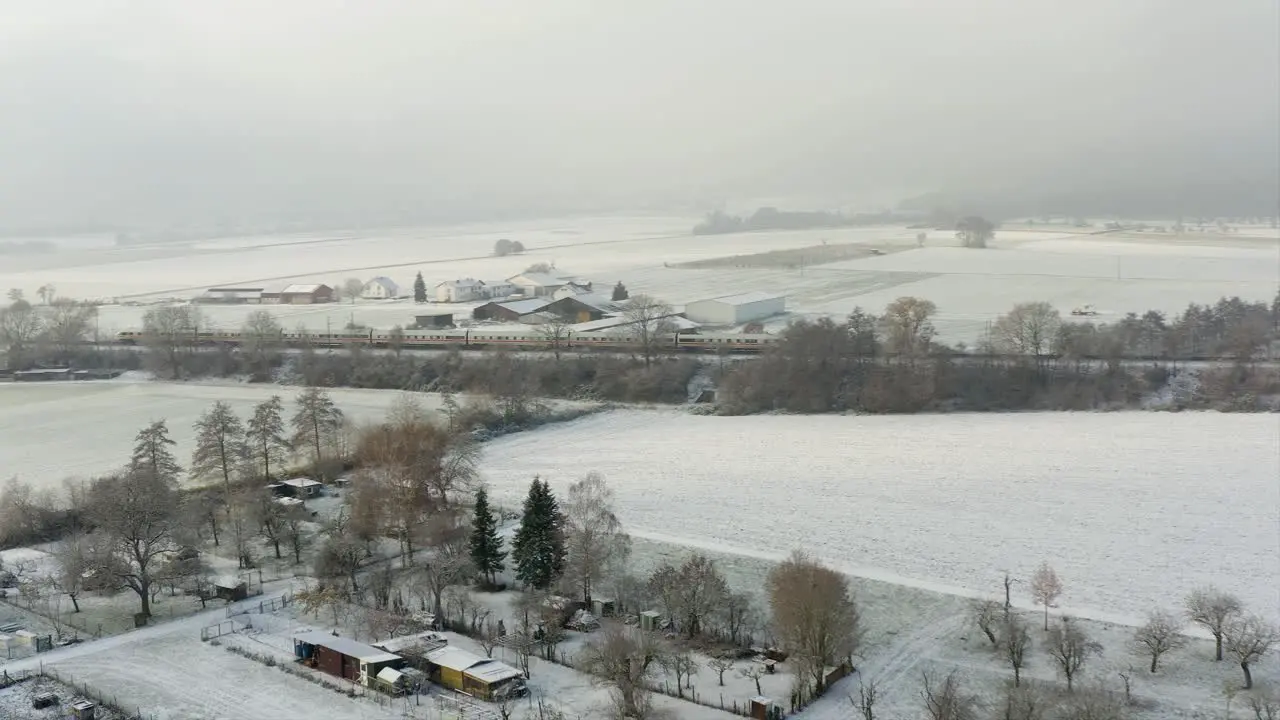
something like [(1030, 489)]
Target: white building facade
[(380, 288), (736, 309), (464, 290)]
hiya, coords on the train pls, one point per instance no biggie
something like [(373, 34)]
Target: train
[(532, 339)]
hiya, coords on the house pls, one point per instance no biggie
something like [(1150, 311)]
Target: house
[(735, 309), (231, 296), (230, 588), (306, 295), (479, 677), (343, 657), (442, 319), (583, 307), (511, 311), (464, 290), (545, 284), (498, 289), (380, 288)]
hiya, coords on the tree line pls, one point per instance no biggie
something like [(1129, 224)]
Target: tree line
[(1031, 359)]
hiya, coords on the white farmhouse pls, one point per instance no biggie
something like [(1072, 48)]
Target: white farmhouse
[(498, 289), (736, 309), (544, 284), (380, 288), (464, 290)]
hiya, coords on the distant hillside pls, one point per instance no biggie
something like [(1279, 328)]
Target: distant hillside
[(771, 218)]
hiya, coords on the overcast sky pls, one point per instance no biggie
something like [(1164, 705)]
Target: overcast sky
[(125, 111)]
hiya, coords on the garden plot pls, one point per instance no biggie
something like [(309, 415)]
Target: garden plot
[(15, 701)]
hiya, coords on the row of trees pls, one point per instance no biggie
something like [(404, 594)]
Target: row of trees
[(54, 330), (893, 363)]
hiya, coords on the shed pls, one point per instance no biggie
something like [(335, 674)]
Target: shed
[(511, 311), (230, 588), (651, 620), (480, 677), (343, 657), (442, 319), (301, 488), (734, 309), (306, 295), (761, 708), (380, 288), (84, 710)]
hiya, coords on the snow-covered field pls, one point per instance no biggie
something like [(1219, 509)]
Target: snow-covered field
[(52, 431), (1117, 273), (1132, 508)]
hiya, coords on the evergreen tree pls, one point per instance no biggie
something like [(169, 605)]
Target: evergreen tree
[(265, 435), (151, 453), (220, 445), (538, 548), (316, 423), (620, 292), (419, 289), (486, 545)]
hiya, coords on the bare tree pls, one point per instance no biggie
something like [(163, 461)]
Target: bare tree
[(987, 613), (295, 532), (262, 337), (67, 325), (555, 332), (1045, 589), (1247, 639), (316, 424), (1008, 584), (1212, 609), (974, 231), (448, 557), (907, 328), (1161, 633), (680, 662), (1028, 329), (594, 539), (20, 326), (1026, 701), (946, 699), (220, 445), (649, 321), (865, 703), (735, 615), (1070, 647), (1014, 641), (720, 664), (351, 288), (813, 613), (753, 672), (624, 659), (1266, 705), (74, 562), (265, 435), (135, 513), (170, 333), (1096, 703)]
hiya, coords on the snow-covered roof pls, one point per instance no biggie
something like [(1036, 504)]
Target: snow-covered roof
[(603, 303), (346, 646), (493, 671), (228, 581), (300, 482), (622, 321), (430, 640), (387, 283), (300, 289), (540, 279), (453, 658), (524, 307), (745, 298), (287, 501), (390, 675), (461, 283)]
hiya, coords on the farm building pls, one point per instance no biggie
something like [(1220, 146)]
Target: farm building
[(511, 311), (230, 296), (306, 295), (230, 588), (380, 288), (343, 657), (545, 284), (498, 288), (442, 319), (583, 307), (464, 290), (734, 309), (301, 488), (621, 322), (479, 677)]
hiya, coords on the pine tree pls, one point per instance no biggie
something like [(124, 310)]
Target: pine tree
[(219, 445), (620, 292), (486, 545), (151, 453), (316, 423), (419, 289), (538, 547)]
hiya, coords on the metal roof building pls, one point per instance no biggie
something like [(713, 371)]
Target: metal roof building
[(735, 309)]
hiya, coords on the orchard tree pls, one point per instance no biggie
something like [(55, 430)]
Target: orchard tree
[(538, 547), (946, 699), (1014, 641), (1161, 633), (487, 554), (1213, 609), (1247, 639), (690, 593), (136, 514), (594, 540), (1045, 589), (988, 613), (1070, 647)]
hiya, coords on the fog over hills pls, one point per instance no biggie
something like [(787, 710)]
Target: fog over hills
[(147, 113)]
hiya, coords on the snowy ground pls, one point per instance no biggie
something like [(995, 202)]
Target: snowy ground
[(1117, 273), (15, 701), (1132, 508), (53, 431)]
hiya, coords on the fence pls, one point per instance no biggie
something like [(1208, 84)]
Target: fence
[(103, 701), (9, 679), (226, 627), (263, 606)]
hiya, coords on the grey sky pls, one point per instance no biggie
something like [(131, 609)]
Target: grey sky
[(156, 110)]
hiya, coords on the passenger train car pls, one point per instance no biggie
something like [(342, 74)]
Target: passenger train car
[(531, 339)]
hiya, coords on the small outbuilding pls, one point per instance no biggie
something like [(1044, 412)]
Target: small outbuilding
[(484, 678), (435, 320), (735, 309), (301, 488), (306, 295), (343, 657), (230, 588)]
